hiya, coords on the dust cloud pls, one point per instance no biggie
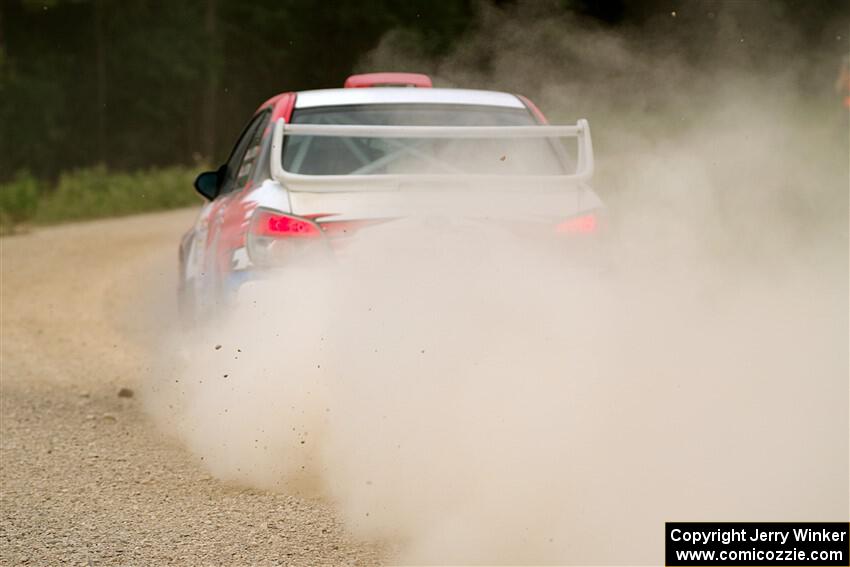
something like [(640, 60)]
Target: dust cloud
[(467, 394)]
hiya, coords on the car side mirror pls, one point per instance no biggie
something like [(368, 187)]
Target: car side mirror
[(208, 183)]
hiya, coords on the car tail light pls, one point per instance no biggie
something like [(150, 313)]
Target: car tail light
[(583, 224), (274, 238), (275, 225)]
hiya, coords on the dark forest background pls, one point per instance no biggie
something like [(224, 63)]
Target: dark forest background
[(139, 83)]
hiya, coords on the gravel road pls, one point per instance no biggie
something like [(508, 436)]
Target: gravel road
[(85, 477)]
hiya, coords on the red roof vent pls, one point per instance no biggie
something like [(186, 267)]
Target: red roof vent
[(388, 80)]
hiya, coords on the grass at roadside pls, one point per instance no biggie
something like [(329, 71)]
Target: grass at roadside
[(93, 193)]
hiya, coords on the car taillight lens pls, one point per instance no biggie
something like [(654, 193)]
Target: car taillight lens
[(282, 226), (583, 224), (274, 238)]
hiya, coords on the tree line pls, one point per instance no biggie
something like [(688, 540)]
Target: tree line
[(131, 84), (141, 83)]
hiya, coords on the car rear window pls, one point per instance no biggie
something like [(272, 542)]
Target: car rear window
[(326, 155)]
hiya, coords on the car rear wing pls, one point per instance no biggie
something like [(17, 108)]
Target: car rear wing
[(581, 131)]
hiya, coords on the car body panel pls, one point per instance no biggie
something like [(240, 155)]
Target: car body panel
[(425, 202), (402, 95)]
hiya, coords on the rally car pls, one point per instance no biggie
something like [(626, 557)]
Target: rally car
[(313, 168)]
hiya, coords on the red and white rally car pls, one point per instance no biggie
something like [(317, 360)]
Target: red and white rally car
[(312, 168)]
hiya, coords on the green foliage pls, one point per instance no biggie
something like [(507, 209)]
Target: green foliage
[(18, 200), (92, 193)]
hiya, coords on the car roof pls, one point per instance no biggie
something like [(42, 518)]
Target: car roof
[(405, 95)]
